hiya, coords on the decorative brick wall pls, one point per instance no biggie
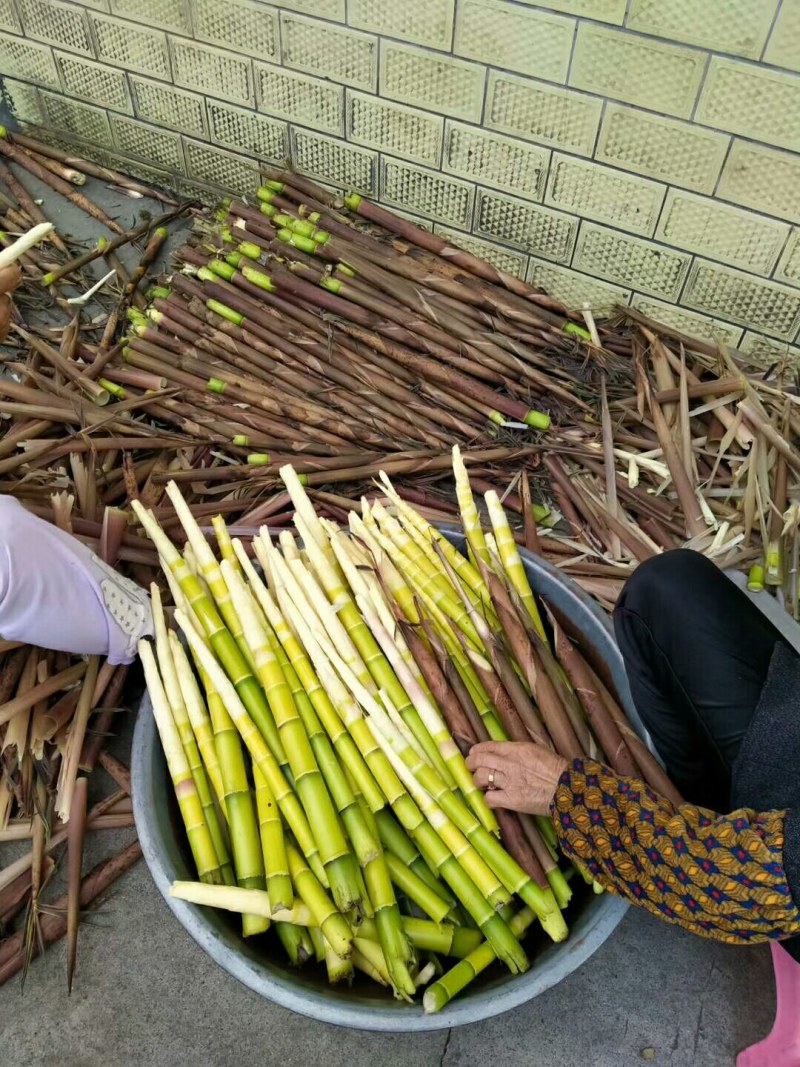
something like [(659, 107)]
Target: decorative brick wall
[(638, 151)]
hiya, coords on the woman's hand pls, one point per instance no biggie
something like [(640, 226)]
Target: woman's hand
[(10, 277), (517, 775)]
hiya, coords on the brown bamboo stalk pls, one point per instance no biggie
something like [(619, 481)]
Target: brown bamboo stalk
[(613, 744), (53, 924), (18, 155), (446, 700), (771, 435), (701, 389), (11, 670), (517, 844), (652, 771), (77, 731), (439, 246), (695, 524), (96, 392), (28, 204), (17, 867), (39, 692), (555, 729), (117, 770), (90, 168), (532, 542), (75, 835), (123, 237), (96, 737)]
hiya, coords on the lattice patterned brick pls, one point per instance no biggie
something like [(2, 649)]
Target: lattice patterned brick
[(56, 23), (75, 146), (533, 42), (23, 100), (94, 82), (492, 159), (25, 59), (528, 226), (430, 23), (663, 77), (752, 100), (247, 131), (138, 139), (238, 24), (542, 112), (597, 192), (319, 48), (677, 152), (172, 15), (630, 261), (394, 128), (782, 47), (433, 195), (138, 48), (738, 26), (788, 269), (220, 74), (326, 9), (503, 258), (440, 83), (334, 161), (700, 224), (168, 106), (763, 178), (690, 322), (143, 171), (218, 167), (574, 289), (205, 192), (70, 116), (310, 101), (599, 10), (8, 17), (765, 306), (423, 224), (764, 351)]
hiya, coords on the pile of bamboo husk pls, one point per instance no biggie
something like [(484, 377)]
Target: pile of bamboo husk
[(55, 714), (353, 675)]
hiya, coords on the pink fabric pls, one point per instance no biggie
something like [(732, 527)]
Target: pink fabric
[(56, 593), (781, 1047)]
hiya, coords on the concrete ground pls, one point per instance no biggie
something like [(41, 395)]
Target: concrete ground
[(146, 996)]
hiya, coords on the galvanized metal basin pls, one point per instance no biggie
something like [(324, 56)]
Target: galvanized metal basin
[(365, 1006)]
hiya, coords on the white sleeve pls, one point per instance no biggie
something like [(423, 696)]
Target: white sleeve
[(56, 593)]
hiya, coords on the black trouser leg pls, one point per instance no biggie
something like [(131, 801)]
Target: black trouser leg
[(696, 652)]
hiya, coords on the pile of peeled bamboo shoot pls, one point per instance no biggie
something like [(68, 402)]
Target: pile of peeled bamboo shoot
[(315, 727)]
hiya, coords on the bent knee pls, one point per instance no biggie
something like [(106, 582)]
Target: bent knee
[(664, 579)]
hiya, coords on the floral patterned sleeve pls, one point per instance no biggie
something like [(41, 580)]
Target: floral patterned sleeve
[(720, 876)]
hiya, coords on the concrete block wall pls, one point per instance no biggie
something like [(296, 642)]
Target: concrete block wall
[(633, 151)]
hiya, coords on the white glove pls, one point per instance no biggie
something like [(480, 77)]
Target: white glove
[(56, 593)]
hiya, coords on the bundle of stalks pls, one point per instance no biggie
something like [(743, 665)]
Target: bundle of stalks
[(317, 749)]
